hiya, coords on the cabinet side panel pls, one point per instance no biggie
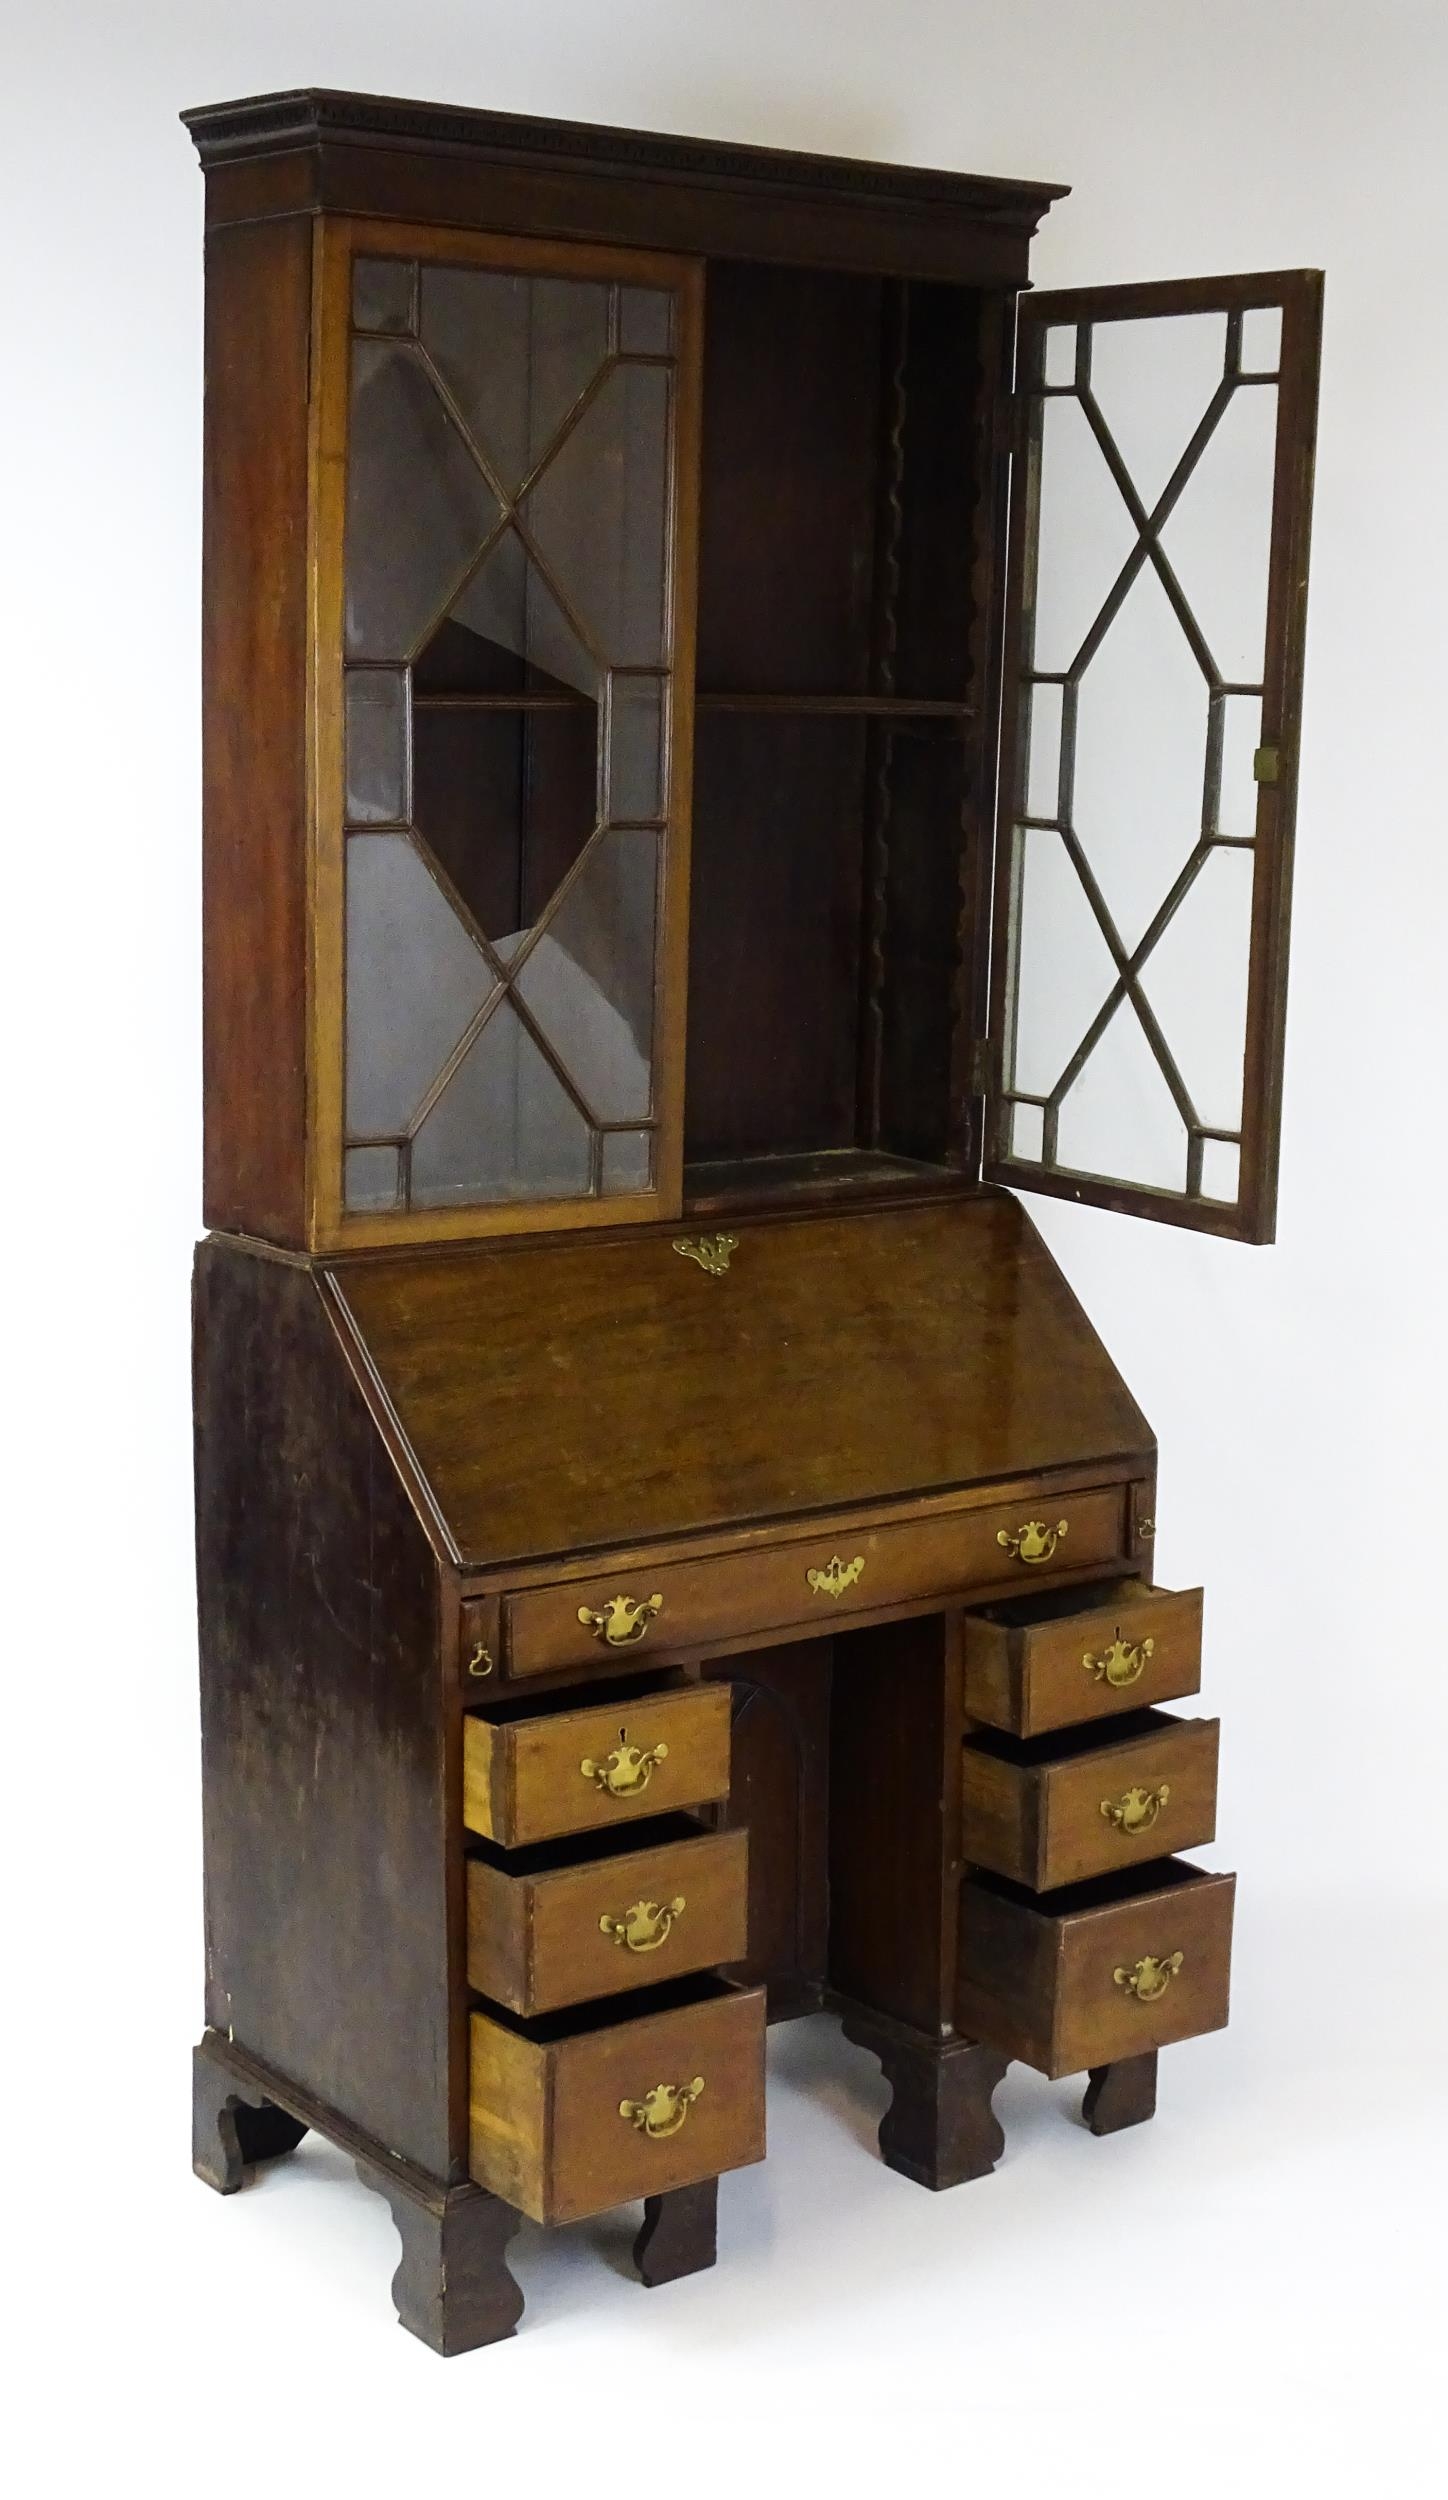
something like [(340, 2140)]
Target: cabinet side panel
[(326, 1793), (254, 644)]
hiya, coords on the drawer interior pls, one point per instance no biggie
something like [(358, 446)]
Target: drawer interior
[(1068, 1744), (1101, 1892), (1052, 1604), (593, 1848), (669, 1996), (601, 1694)]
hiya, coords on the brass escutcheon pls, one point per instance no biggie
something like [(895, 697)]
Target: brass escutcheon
[(1149, 1978), (662, 2110), (645, 1927), (621, 1621), (836, 1577), (1034, 1543), (1120, 1663), (625, 1771), (1137, 1810), (481, 1661), (711, 1251)]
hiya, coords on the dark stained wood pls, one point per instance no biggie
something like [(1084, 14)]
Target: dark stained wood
[(779, 1793), (452, 2288), (904, 1349), (254, 639), (679, 2234), (231, 2134), (788, 481), (895, 1820), (381, 156), (1120, 2095), (330, 1826), (774, 941), (940, 2128)]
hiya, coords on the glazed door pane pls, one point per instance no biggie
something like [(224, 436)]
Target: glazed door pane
[(1153, 683), (509, 640)]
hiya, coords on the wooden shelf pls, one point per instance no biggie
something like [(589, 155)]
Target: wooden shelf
[(842, 1172), (860, 706)]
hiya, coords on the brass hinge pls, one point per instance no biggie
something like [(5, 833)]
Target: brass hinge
[(1267, 764)]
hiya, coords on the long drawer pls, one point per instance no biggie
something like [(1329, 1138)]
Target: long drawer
[(1100, 1971), (818, 1580), (576, 1920), (576, 2114)]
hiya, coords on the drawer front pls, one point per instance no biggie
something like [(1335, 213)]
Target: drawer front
[(814, 1582), (1090, 1809), (568, 1934), (578, 2124), (1141, 1646), (584, 1770), (1074, 1981)]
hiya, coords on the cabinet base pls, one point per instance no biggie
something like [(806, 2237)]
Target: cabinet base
[(1120, 2095), (939, 2129)]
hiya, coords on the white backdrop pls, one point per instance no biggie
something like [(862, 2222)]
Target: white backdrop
[(1247, 2286)]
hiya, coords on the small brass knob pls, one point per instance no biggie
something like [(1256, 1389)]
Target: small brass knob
[(1121, 1663), (663, 2109), (1149, 1978), (621, 1622), (1137, 1810), (645, 1927), (626, 1771), (1034, 1543)]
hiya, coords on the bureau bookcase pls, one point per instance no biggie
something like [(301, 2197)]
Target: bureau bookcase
[(736, 739)]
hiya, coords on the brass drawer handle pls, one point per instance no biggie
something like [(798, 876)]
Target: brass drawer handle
[(1120, 1663), (711, 1251), (1034, 1543), (1137, 1810), (836, 1577), (645, 1927), (621, 1621), (662, 2111), (1149, 1978), (481, 1661), (625, 1771)]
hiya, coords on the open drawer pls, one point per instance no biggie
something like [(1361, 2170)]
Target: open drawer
[(574, 2114), (1073, 1979), (531, 1772), (1057, 1657), (815, 1581), (1053, 1810), (590, 1917)]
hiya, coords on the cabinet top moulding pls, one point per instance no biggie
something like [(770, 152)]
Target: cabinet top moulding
[(312, 149)]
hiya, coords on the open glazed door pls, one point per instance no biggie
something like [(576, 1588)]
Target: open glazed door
[(1153, 678)]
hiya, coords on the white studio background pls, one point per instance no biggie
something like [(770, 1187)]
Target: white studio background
[(1246, 2288)]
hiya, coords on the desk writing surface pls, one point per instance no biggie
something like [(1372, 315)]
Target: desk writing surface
[(563, 1396)]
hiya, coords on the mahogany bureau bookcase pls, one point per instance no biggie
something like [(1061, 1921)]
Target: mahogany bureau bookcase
[(736, 739)]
